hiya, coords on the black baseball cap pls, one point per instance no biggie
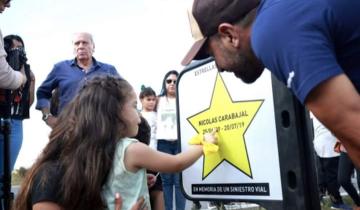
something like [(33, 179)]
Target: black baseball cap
[(207, 15)]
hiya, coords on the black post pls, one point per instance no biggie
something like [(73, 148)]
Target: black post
[(6, 197), (297, 163), (5, 130)]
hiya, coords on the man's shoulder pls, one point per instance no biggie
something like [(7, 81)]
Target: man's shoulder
[(105, 67), (103, 64), (281, 24), (65, 63), (278, 12)]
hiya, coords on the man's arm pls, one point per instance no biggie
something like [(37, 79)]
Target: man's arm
[(44, 94), (10, 79), (336, 103)]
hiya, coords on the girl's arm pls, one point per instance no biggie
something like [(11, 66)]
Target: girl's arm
[(45, 205), (139, 155)]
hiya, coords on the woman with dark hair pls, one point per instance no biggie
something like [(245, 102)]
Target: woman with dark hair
[(166, 134), (20, 99)]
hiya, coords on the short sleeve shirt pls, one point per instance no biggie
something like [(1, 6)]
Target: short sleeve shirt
[(166, 119), (305, 42), (46, 190)]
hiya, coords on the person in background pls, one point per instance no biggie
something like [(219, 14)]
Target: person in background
[(17, 102), (87, 162), (67, 76), (327, 164), (166, 135), (196, 205), (154, 181), (147, 98), (21, 99), (9, 79), (346, 169), (313, 50)]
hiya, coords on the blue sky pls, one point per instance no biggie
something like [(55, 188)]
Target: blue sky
[(143, 39)]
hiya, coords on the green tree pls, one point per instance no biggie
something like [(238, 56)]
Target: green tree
[(22, 172)]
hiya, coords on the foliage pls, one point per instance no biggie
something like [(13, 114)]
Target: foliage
[(18, 175)]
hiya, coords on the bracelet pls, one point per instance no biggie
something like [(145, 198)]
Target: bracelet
[(207, 146)]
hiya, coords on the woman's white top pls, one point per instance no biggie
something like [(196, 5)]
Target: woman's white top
[(166, 119)]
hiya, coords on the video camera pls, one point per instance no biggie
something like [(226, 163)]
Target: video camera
[(16, 57)]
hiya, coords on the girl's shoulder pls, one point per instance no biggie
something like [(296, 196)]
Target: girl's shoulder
[(123, 143), (127, 140), (122, 146)]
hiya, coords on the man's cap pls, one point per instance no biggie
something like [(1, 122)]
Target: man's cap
[(207, 15)]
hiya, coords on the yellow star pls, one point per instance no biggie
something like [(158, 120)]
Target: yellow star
[(231, 118)]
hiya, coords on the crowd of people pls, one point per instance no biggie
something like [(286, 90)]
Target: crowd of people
[(98, 164)]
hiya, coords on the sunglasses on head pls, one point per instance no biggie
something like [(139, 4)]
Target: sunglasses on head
[(169, 81)]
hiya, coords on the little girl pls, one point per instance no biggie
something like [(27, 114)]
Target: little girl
[(90, 156), (132, 158)]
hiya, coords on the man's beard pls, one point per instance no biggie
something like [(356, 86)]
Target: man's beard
[(247, 67)]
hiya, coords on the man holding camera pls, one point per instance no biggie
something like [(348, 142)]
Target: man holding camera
[(9, 79)]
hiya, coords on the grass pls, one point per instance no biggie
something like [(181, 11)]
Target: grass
[(327, 204)]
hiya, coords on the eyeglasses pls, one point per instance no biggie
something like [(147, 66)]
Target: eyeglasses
[(169, 81)]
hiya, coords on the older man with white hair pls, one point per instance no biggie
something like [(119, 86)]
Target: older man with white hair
[(67, 76)]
